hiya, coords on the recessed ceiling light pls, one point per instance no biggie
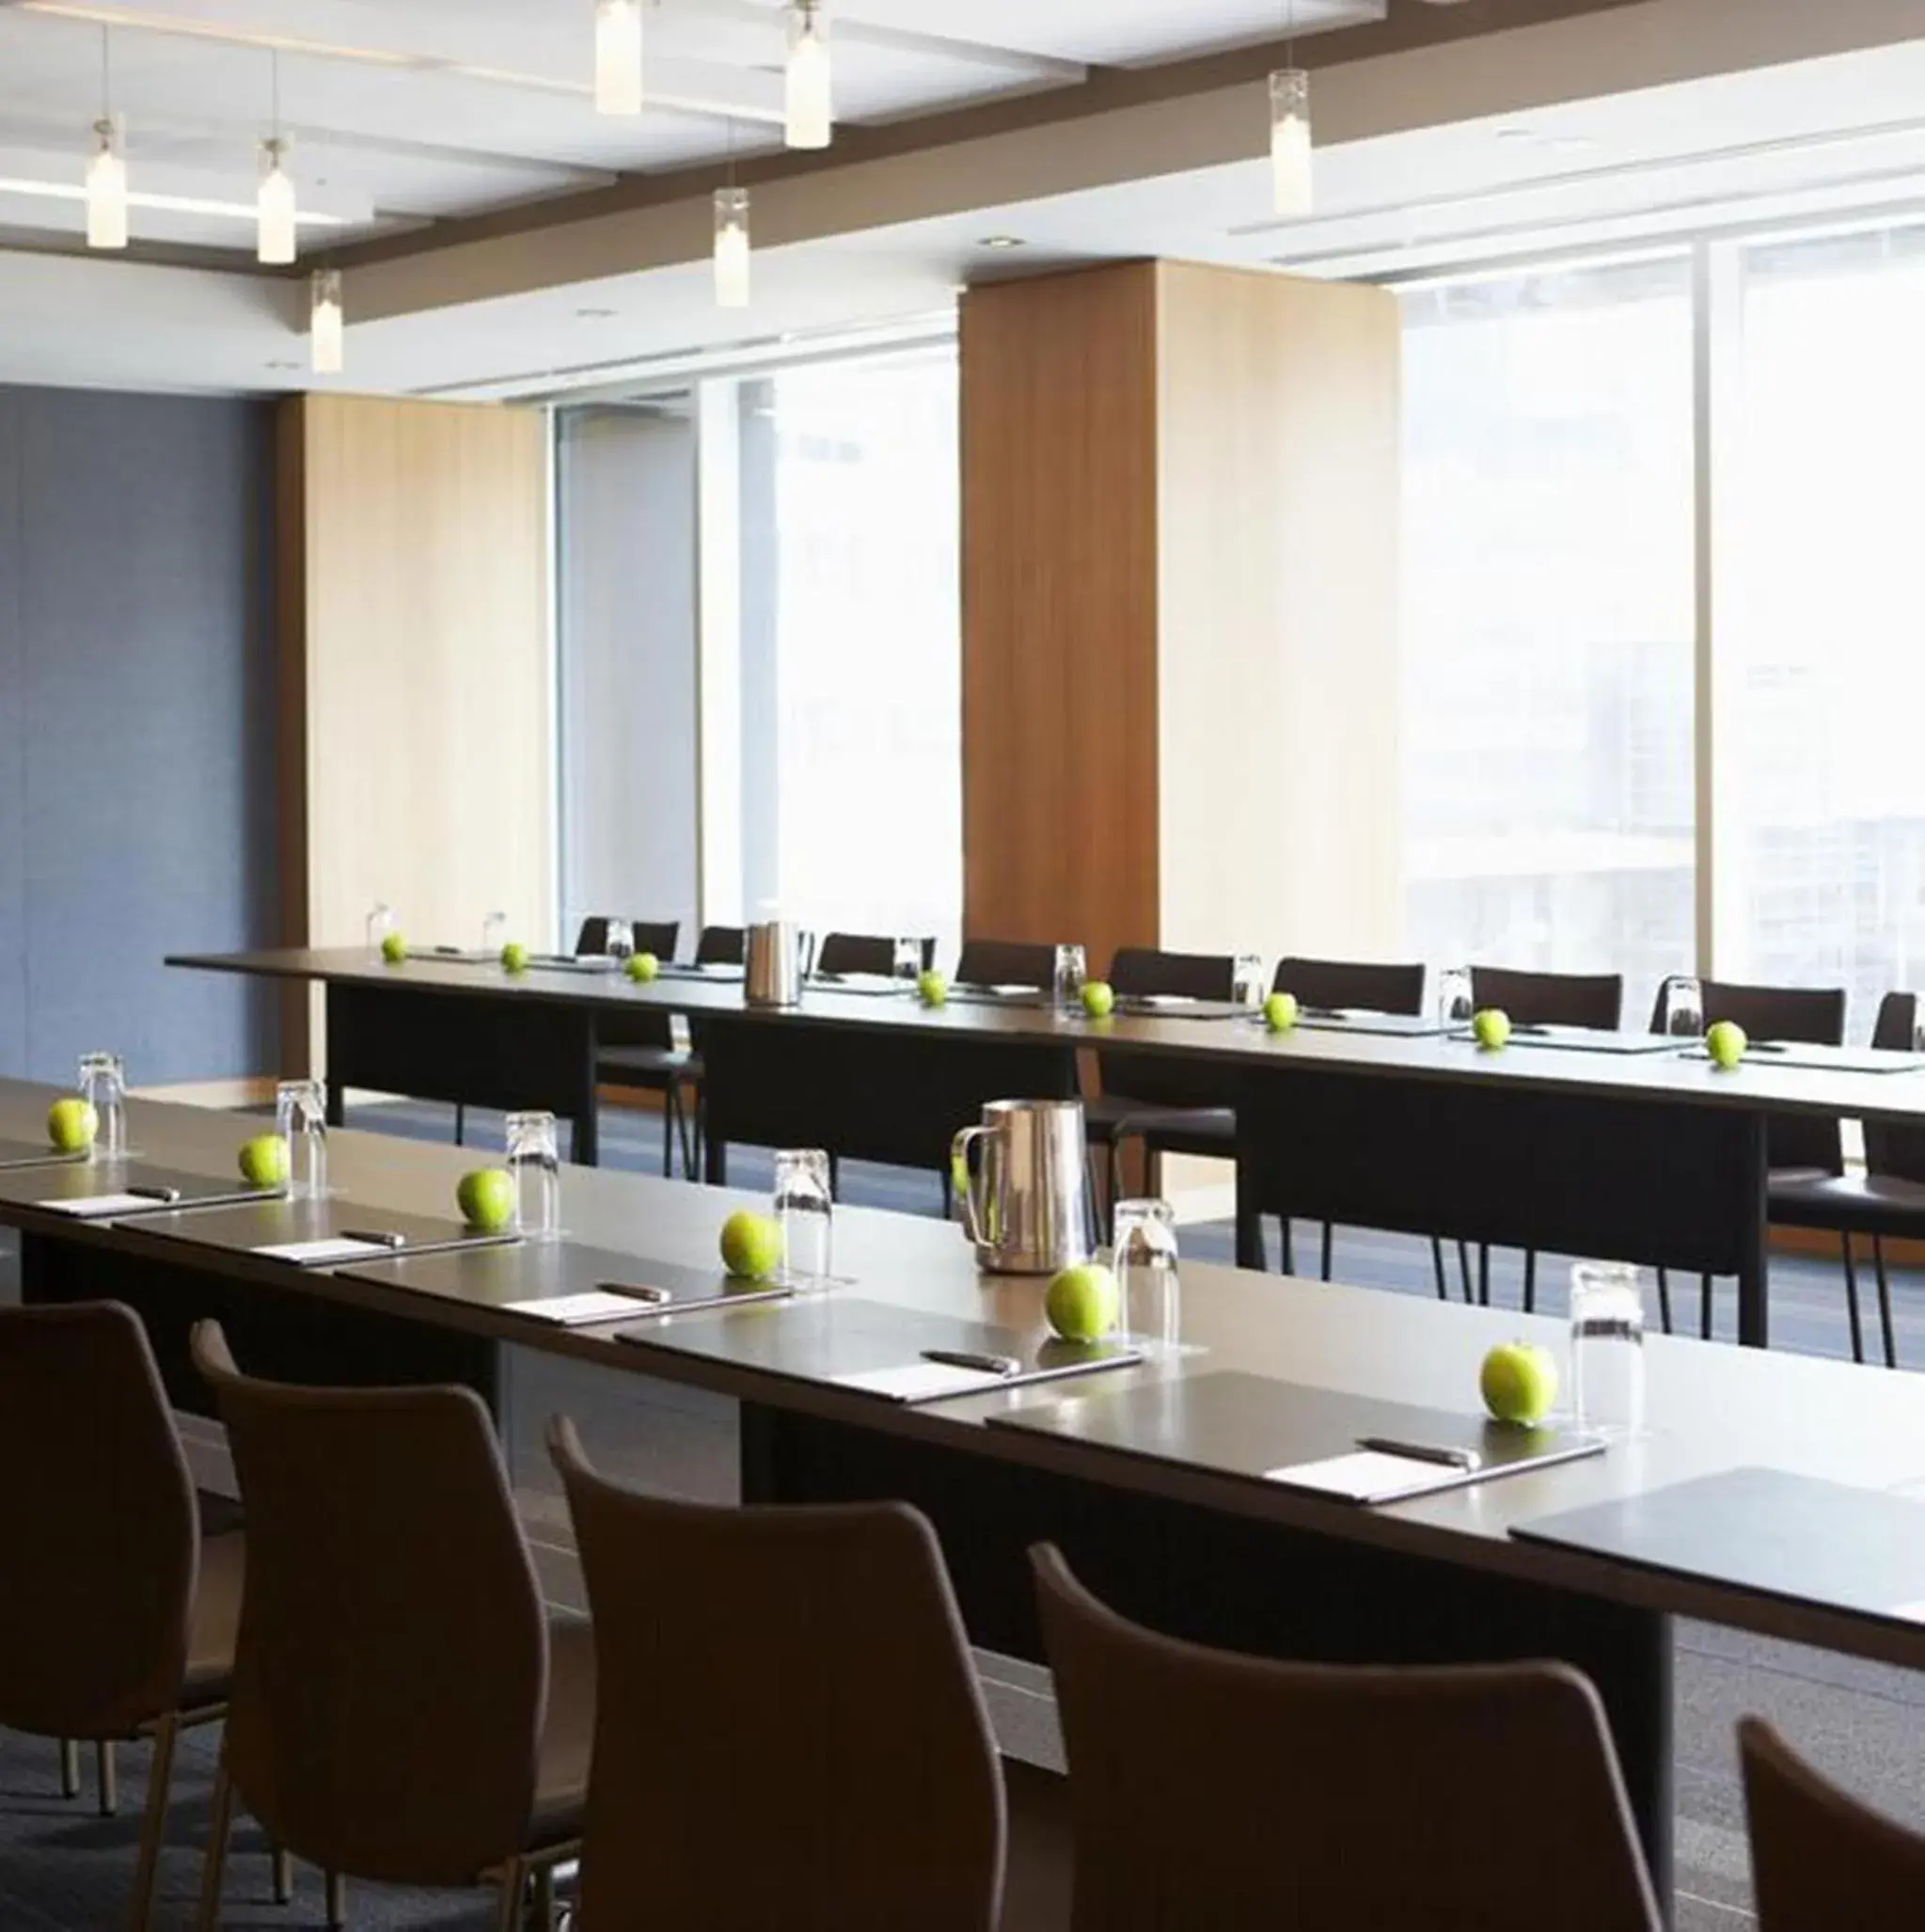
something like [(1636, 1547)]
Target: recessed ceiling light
[(1002, 241)]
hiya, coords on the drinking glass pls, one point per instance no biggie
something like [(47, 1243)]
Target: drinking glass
[(1683, 1007), (493, 934), (1249, 987), (1071, 971), (1607, 1348), (1454, 1000), (1143, 1252), (300, 1118), (619, 943), (908, 959), (803, 1210), (104, 1087), (536, 1165), (379, 923), (1918, 1022)]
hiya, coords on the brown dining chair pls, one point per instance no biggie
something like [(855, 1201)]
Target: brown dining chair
[(1820, 1860), (1210, 1792), (404, 1708), (116, 1620), (1799, 1148), (867, 953), (789, 1731)]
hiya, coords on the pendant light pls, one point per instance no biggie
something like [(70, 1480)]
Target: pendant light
[(106, 171), (618, 56), (731, 247), (325, 333), (1291, 168), (809, 94), (276, 240)]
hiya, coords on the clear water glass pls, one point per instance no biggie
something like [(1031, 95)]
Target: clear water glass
[(1607, 1348), (1071, 971), (300, 1118), (1683, 1007), (1142, 1251), (379, 923), (104, 1087), (908, 959), (1455, 1003), (536, 1165), (804, 1208), (619, 943), (1249, 987), (1918, 1022), (493, 934)]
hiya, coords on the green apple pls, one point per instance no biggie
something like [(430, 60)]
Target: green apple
[(394, 948), (1518, 1382), (514, 957), (1082, 1304), (643, 968), (71, 1124), (487, 1200), (1491, 1026), (751, 1246), (1725, 1043), (264, 1161), (932, 989), (1098, 1000), (1280, 1012)]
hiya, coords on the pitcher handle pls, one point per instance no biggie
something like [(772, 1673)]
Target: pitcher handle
[(959, 1171), (805, 954)]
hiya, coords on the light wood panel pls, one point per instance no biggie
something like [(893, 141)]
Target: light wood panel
[(417, 678), (1060, 610)]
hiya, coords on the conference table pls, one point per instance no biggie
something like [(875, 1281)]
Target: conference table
[(1775, 1494), (1611, 1146)]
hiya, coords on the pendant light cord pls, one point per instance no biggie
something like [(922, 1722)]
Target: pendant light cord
[(106, 73)]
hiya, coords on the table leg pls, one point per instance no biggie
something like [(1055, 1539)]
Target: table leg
[(1754, 1297)]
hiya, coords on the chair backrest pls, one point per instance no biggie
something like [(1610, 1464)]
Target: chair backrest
[(1551, 999), (809, 1663), (865, 952), (1155, 1079), (98, 1523), (656, 936), (1371, 986), (1890, 1149), (1006, 962), (1135, 971), (391, 1669), (1821, 1861), (720, 945), (1217, 1791)]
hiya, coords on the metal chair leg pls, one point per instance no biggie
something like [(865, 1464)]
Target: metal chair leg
[(668, 1112), (1483, 1275), (1287, 1244), (514, 1891), (1705, 1320), (1437, 1263), (283, 1863), (1464, 1269), (109, 1776), (1664, 1300), (1329, 1239), (1852, 1297), (338, 1902), (70, 1768), (153, 1824), (213, 1867), (1884, 1323), (460, 1125)]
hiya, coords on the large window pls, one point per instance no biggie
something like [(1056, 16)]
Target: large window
[(1822, 808), (1548, 637)]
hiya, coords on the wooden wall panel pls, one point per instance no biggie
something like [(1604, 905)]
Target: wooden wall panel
[(1060, 610), (418, 648)]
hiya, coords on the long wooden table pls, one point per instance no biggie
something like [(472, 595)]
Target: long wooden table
[(1190, 1549), (1657, 1159)]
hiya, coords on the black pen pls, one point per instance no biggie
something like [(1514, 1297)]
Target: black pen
[(1423, 1452), (155, 1193), (378, 1237), (962, 1358), (654, 1296)]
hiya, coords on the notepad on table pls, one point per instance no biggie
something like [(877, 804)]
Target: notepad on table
[(1366, 1476), (921, 1382), (582, 1309), (322, 1252), (94, 1207)]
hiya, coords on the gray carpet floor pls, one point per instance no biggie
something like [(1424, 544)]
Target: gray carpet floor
[(63, 1869)]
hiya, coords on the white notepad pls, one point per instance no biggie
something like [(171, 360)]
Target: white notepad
[(1366, 1476), (921, 1382), (319, 1254), (94, 1206), (581, 1310)]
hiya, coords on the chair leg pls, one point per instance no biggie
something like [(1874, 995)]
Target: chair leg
[(669, 1113), (213, 1867), (1464, 1269), (1329, 1241), (1664, 1300), (1530, 1281), (1483, 1275), (337, 1902), (1705, 1323), (513, 1888), (1437, 1263), (1852, 1297), (70, 1768), (1287, 1244), (460, 1125), (283, 1863), (1884, 1323), (153, 1824), (109, 1772)]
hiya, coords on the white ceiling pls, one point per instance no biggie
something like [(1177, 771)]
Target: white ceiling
[(404, 112)]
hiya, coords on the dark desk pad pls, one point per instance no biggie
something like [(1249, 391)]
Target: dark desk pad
[(1822, 1059), (69, 1181), (1764, 1531), (1243, 1425), (817, 1338), (26, 1153), (264, 1222), (540, 1270)]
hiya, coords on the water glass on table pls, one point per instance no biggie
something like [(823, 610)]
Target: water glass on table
[(909, 959), (104, 1087), (1607, 1348), (1143, 1257), (1684, 1016), (1071, 971), (804, 1208), (379, 923), (1249, 984), (493, 934), (619, 940), (1455, 1001), (536, 1165), (300, 1118)]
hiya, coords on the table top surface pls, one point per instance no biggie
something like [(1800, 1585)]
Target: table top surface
[(1676, 1077), (1710, 1408)]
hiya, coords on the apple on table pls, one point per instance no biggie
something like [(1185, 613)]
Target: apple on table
[(264, 1161), (1280, 1012), (488, 1199), (71, 1124), (644, 969), (1098, 998), (751, 1246), (932, 988), (1082, 1303), (1726, 1043), (1491, 1028), (1518, 1382), (394, 948)]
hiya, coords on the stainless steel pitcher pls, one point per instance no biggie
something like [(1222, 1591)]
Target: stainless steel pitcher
[(1027, 1206), (781, 957)]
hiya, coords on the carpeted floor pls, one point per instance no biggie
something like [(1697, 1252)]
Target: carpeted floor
[(63, 1869)]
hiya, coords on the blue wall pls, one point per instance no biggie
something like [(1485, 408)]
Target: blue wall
[(136, 730)]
